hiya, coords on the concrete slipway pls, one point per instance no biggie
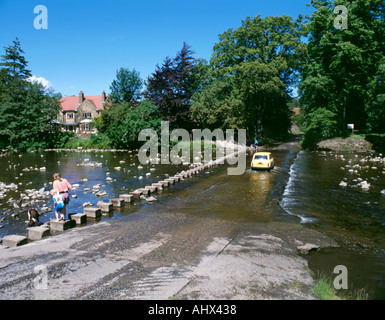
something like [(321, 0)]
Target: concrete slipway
[(160, 253)]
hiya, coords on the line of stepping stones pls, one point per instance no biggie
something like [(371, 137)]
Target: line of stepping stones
[(39, 232)]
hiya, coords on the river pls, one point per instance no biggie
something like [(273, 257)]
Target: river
[(304, 188)]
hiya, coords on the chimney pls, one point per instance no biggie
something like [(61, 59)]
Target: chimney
[(81, 97), (104, 97)]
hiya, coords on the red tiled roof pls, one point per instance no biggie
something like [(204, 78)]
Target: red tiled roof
[(71, 103)]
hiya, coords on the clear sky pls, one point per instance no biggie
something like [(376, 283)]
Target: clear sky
[(88, 40)]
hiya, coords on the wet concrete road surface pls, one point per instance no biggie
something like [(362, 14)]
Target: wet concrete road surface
[(160, 253)]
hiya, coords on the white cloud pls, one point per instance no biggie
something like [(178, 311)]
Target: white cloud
[(46, 84)]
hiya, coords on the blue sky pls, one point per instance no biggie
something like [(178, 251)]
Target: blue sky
[(88, 40)]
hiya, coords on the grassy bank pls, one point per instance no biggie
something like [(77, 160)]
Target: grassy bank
[(324, 289)]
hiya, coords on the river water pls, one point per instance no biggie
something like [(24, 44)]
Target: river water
[(303, 188)]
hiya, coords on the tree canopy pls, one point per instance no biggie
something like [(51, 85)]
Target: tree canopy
[(252, 72), (26, 109), (171, 86), (345, 66), (126, 87), (248, 83)]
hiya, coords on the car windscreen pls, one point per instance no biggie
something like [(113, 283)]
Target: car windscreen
[(260, 157)]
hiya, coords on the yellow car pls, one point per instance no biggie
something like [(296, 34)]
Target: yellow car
[(262, 160)]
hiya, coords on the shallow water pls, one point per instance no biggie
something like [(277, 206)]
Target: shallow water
[(303, 188), (353, 216)]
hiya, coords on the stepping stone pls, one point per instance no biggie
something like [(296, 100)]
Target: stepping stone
[(151, 188), (170, 181), (14, 241), (37, 233), (60, 225), (165, 183), (93, 212), (144, 191), (136, 194), (79, 218), (127, 198), (117, 202), (105, 206), (158, 185)]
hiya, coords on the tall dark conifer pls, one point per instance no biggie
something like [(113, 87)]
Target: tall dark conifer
[(26, 109), (14, 64), (171, 86)]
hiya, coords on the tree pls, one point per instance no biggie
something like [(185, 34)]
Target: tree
[(122, 123), (26, 109), (126, 87), (253, 70), (171, 86), (343, 64), (14, 65), (376, 110), (320, 125)]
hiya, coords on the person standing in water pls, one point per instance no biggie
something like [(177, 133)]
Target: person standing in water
[(62, 186)]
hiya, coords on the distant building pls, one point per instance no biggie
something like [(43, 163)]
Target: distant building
[(77, 113)]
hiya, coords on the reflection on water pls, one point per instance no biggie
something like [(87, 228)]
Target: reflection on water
[(106, 174), (303, 187)]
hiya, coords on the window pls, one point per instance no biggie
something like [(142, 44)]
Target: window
[(84, 127), (70, 115), (86, 115), (260, 157)]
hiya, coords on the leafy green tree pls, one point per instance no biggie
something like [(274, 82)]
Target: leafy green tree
[(126, 87), (376, 110), (122, 123), (320, 125), (343, 64), (253, 70)]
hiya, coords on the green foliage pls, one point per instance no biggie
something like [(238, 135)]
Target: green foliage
[(126, 87), (324, 289), (14, 64), (377, 140), (320, 124), (26, 109), (95, 141), (344, 72), (171, 86), (121, 124), (251, 72), (376, 92)]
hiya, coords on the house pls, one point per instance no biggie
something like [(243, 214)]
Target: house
[(77, 113)]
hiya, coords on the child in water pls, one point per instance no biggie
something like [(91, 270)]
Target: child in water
[(59, 204)]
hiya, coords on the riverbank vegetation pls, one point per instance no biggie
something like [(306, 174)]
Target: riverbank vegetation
[(323, 289), (256, 75), (343, 77)]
